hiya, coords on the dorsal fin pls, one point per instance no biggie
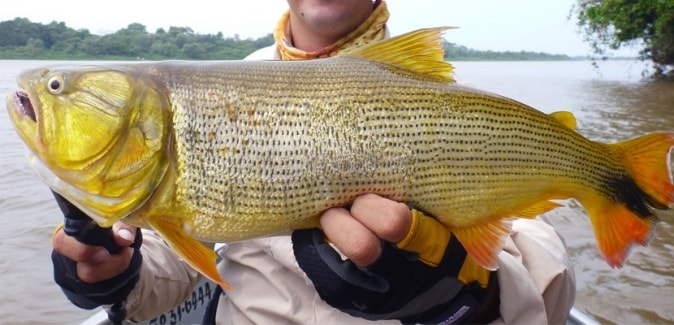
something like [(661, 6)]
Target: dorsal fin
[(419, 51), (566, 118)]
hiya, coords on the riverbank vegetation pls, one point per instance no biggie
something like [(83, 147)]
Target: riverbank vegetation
[(22, 39), (648, 24)]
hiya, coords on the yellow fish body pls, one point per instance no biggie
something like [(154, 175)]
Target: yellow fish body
[(226, 151)]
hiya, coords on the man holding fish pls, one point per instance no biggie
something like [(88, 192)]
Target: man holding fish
[(392, 274)]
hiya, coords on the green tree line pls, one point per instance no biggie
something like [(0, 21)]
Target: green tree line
[(611, 24), (455, 52), (22, 39)]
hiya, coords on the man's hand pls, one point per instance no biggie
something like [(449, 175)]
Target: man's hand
[(358, 232), (89, 275), (401, 264), (94, 263)]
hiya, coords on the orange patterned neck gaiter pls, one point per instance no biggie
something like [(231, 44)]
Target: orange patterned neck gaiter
[(374, 28)]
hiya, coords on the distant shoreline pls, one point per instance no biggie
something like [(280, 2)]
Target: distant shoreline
[(21, 39)]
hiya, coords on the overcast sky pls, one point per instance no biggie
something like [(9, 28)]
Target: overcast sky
[(500, 25)]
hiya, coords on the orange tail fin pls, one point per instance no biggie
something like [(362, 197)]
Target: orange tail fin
[(647, 160), (626, 219)]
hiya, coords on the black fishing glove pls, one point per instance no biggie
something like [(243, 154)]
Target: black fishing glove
[(398, 285), (92, 295)]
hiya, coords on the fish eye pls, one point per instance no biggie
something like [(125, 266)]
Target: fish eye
[(56, 84)]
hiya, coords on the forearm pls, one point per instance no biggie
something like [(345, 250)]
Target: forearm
[(165, 280)]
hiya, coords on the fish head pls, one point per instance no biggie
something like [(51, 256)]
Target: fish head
[(97, 135)]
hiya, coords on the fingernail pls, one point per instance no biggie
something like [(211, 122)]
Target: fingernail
[(101, 255), (126, 234)]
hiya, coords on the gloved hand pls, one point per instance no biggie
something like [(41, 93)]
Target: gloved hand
[(426, 279), (83, 293)]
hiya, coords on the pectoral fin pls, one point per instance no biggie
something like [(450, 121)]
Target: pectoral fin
[(485, 241), (196, 254)]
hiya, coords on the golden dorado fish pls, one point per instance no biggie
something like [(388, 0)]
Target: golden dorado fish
[(226, 151)]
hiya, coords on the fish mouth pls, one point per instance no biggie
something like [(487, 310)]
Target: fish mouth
[(24, 105)]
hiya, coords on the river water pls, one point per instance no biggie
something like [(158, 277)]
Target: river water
[(611, 103)]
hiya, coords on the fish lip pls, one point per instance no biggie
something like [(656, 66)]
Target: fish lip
[(24, 105), (25, 99)]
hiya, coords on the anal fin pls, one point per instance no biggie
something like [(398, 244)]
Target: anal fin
[(485, 241), (538, 209), (196, 254)]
